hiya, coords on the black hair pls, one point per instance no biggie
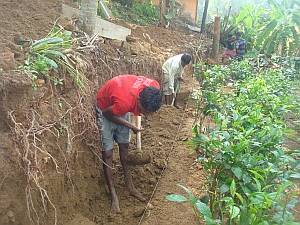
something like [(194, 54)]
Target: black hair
[(185, 59), (150, 99), (238, 34)]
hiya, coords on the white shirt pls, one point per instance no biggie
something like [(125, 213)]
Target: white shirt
[(172, 69)]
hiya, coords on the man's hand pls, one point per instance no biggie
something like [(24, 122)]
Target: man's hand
[(180, 79), (135, 129)]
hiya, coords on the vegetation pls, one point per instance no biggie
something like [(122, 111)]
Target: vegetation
[(52, 57), (249, 171), (270, 28), (142, 13)]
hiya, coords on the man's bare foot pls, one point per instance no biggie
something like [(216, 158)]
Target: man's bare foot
[(132, 190), (115, 208), (177, 107), (135, 193)]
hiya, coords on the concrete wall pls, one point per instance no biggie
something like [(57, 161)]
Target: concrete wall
[(189, 7)]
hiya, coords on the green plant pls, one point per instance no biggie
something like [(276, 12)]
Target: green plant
[(281, 31), (49, 57), (199, 207), (247, 21), (249, 172), (141, 13), (273, 28)]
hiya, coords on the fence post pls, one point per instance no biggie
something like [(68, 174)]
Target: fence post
[(216, 40)]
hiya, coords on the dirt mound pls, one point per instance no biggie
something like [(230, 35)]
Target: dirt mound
[(80, 220), (31, 18), (49, 148)]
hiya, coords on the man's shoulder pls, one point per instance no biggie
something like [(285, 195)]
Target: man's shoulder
[(174, 58)]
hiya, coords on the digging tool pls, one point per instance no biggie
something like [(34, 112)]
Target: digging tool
[(175, 94), (138, 157), (138, 134), (173, 100)]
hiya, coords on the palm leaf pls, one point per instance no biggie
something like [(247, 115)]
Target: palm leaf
[(270, 42), (53, 53), (46, 41), (266, 31)]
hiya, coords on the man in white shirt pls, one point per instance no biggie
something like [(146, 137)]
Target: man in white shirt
[(173, 71)]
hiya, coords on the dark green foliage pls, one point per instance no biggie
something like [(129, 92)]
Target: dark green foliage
[(249, 171), (140, 13)]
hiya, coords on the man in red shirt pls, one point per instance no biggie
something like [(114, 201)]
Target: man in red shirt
[(117, 98)]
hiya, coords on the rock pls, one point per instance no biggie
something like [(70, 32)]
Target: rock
[(150, 206), (138, 158), (5, 202), (40, 82), (152, 180), (19, 39), (80, 220), (138, 213), (7, 60), (117, 43), (161, 164), (11, 216), (131, 39), (16, 49)]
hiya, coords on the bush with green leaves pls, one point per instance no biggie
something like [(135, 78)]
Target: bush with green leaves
[(281, 30), (272, 28), (249, 171), (52, 57), (142, 13)]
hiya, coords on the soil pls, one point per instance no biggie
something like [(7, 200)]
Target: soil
[(76, 187), (293, 143), (180, 170)]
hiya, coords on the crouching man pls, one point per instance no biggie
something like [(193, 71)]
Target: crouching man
[(117, 98), (173, 71)]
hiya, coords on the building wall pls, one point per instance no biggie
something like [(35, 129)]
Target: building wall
[(189, 6)]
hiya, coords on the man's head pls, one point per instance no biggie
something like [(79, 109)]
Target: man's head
[(238, 34), (150, 100), (185, 59)]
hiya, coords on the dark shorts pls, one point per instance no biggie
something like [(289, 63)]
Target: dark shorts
[(112, 132)]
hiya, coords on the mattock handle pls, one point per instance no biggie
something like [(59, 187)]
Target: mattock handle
[(138, 134)]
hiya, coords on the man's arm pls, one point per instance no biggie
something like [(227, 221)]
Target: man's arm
[(107, 113)]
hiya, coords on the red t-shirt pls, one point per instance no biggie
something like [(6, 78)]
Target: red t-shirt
[(122, 93)]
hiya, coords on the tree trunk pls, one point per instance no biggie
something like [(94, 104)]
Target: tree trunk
[(88, 15), (162, 6), (204, 16), (216, 40)]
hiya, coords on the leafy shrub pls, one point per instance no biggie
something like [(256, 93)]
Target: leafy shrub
[(53, 53), (271, 29), (249, 171), (141, 13)]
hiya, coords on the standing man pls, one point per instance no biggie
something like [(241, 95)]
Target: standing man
[(173, 70), (240, 46), (117, 98)]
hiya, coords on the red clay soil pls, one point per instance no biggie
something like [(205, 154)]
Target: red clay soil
[(77, 191)]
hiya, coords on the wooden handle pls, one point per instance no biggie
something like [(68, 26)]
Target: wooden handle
[(138, 134)]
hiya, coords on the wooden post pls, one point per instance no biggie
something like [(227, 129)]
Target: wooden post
[(138, 134), (162, 6), (216, 40), (88, 15), (204, 16)]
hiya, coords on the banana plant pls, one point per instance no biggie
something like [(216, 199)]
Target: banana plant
[(281, 32)]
